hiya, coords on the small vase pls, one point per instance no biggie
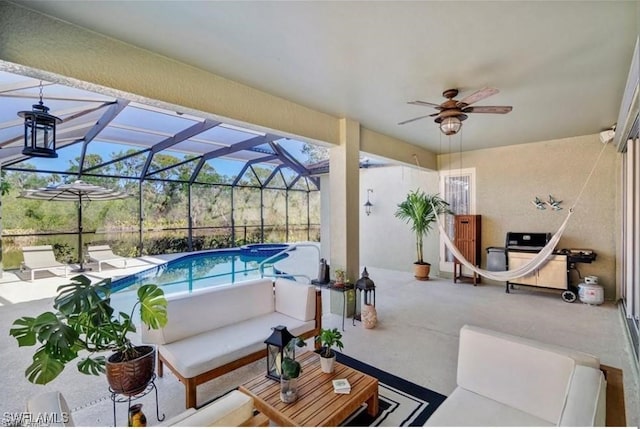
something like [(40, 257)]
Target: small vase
[(327, 365), (288, 389), (369, 316), (136, 416)]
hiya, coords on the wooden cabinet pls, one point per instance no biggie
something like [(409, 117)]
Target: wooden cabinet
[(552, 274), (467, 233)]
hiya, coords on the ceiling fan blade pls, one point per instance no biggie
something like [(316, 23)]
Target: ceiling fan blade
[(480, 94), (424, 103), (487, 109), (413, 119)]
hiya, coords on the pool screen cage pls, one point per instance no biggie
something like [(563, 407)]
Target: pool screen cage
[(211, 184)]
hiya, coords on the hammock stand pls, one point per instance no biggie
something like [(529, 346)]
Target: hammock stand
[(537, 261)]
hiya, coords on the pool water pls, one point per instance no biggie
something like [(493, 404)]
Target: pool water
[(197, 271)]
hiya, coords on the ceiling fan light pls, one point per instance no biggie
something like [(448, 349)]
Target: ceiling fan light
[(451, 125)]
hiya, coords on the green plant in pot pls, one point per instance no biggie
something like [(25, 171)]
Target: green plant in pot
[(419, 211), (290, 370), (83, 326), (329, 338)]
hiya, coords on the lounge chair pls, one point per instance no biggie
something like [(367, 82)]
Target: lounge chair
[(41, 258), (103, 254)]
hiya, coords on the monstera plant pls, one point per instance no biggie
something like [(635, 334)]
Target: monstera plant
[(82, 325)]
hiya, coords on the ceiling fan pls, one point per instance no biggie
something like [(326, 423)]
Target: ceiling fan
[(452, 112)]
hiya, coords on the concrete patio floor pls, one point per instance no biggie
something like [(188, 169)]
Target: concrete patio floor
[(416, 338)]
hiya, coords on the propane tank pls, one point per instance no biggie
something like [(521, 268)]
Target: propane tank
[(590, 292)]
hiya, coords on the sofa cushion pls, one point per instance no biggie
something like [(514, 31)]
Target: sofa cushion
[(465, 408), (231, 410), (514, 372), (200, 353), (585, 405), (193, 313), (295, 299)]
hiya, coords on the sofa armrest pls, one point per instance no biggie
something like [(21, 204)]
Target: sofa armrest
[(52, 405), (233, 409), (586, 398)]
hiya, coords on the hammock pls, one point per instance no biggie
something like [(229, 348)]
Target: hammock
[(534, 263), (503, 276)]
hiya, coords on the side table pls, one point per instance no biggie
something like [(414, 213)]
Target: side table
[(342, 289), (120, 398)]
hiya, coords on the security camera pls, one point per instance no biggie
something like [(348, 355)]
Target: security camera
[(607, 136)]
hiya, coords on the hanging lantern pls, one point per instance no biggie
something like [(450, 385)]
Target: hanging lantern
[(277, 350), (39, 131)]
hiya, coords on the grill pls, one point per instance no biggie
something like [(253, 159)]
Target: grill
[(531, 242), (554, 274)]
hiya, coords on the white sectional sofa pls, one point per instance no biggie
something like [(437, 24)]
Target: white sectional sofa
[(505, 380), (216, 330)]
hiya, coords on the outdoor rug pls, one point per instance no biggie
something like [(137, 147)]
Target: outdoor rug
[(402, 403)]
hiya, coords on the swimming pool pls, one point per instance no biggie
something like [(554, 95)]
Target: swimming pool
[(197, 271)]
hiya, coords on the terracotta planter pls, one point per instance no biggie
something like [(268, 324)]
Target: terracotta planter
[(131, 377), (421, 271)]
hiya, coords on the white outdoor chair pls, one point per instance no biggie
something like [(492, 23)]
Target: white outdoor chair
[(41, 258), (103, 254)]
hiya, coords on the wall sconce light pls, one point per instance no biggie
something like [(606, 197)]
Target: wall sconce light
[(39, 130), (368, 205)]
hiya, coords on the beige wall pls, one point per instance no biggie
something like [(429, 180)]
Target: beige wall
[(509, 178), (386, 241)]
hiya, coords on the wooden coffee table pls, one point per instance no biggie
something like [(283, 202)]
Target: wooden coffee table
[(317, 404)]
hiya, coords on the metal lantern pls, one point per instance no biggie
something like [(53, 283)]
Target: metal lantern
[(277, 350), (366, 285), (39, 131)]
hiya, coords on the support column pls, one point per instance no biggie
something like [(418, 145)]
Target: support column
[(344, 180)]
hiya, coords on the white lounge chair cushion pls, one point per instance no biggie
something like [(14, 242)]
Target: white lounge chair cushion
[(514, 372), (200, 353), (51, 405), (233, 409), (586, 400), (195, 313), (295, 299), (465, 408)]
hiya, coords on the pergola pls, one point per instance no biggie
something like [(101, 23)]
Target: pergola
[(119, 131)]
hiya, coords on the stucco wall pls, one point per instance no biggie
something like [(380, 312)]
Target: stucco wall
[(509, 178), (386, 241)]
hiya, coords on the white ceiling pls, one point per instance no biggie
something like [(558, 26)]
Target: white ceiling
[(561, 65)]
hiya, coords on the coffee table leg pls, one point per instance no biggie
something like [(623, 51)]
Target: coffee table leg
[(372, 404)]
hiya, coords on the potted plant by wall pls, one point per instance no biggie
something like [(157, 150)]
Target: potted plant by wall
[(289, 373), (419, 210), (329, 338), (85, 324), (340, 277)]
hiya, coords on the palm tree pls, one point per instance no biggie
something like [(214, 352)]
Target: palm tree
[(419, 210)]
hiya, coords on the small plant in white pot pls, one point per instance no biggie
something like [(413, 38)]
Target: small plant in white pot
[(329, 338)]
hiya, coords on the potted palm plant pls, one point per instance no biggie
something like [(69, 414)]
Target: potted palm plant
[(329, 338), (83, 326), (419, 210)]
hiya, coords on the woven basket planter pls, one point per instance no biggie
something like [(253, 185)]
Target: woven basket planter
[(131, 377)]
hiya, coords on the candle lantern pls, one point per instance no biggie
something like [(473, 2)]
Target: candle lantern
[(277, 350), (39, 130), (368, 315)]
